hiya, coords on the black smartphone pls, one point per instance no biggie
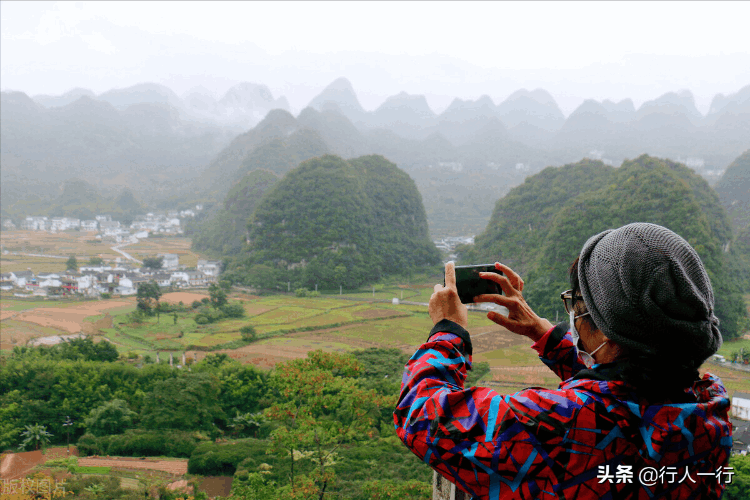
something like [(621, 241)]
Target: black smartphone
[(469, 284)]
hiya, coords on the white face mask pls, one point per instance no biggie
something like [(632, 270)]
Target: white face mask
[(588, 359)]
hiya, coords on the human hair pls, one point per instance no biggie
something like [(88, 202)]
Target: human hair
[(655, 378)]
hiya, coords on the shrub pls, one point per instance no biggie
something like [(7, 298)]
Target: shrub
[(106, 295), (211, 459), (233, 310), (196, 304), (248, 333), (140, 443), (88, 444)]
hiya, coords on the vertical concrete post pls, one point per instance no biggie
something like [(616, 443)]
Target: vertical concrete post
[(442, 489)]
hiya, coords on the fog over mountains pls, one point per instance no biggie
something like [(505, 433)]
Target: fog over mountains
[(164, 146)]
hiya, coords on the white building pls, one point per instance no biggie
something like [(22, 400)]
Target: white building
[(64, 223), (741, 405), (125, 286), (209, 267), (89, 225), (110, 228), (171, 260), (35, 223)]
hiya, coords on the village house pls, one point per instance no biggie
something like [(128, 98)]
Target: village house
[(740, 436), (171, 260), (6, 281), (741, 405), (89, 225), (196, 278), (110, 228), (35, 223), (64, 224), (125, 286), (162, 279), (86, 283), (180, 278), (49, 280), (8, 224), (103, 218), (209, 267), (22, 278)]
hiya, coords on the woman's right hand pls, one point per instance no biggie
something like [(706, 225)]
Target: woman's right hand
[(521, 319)]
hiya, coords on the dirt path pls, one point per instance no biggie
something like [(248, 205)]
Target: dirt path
[(18, 465), (176, 466)]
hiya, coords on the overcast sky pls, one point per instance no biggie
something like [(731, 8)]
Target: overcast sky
[(443, 50)]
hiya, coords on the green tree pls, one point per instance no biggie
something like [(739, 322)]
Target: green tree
[(35, 435), (739, 488), (218, 296), (248, 333), (113, 417), (84, 348), (96, 261), (153, 262), (255, 487), (71, 264), (188, 402), (246, 423), (148, 296), (9, 426), (403, 490), (320, 406)]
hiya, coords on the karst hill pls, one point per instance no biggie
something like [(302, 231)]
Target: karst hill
[(333, 222), (539, 227)]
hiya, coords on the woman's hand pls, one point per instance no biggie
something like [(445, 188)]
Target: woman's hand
[(444, 302), (521, 319)]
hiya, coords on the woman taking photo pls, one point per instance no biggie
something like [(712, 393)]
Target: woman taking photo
[(631, 418)]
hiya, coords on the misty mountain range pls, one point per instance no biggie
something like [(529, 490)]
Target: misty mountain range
[(162, 146)]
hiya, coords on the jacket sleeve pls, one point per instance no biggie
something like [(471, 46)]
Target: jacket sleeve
[(556, 350), (485, 443)]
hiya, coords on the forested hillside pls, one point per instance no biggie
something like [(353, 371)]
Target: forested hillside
[(78, 198), (332, 223), (539, 227), (225, 231), (146, 146), (734, 192)]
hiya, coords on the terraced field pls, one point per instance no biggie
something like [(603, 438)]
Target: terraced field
[(289, 327)]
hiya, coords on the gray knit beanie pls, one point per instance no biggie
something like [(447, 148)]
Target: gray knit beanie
[(646, 289)]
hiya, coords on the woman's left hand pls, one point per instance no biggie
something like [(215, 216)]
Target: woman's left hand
[(444, 302)]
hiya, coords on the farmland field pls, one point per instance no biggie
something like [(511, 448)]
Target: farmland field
[(48, 248), (82, 244), (288, 327), (153, 246)]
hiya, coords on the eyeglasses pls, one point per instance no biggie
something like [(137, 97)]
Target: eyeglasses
[(569, 300)]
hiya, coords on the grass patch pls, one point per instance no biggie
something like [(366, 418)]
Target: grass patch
[(510, 356), (729, 347), (19, 305), (91, 470)]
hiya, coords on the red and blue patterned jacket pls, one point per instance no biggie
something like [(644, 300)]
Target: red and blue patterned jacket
[(590, 438)]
